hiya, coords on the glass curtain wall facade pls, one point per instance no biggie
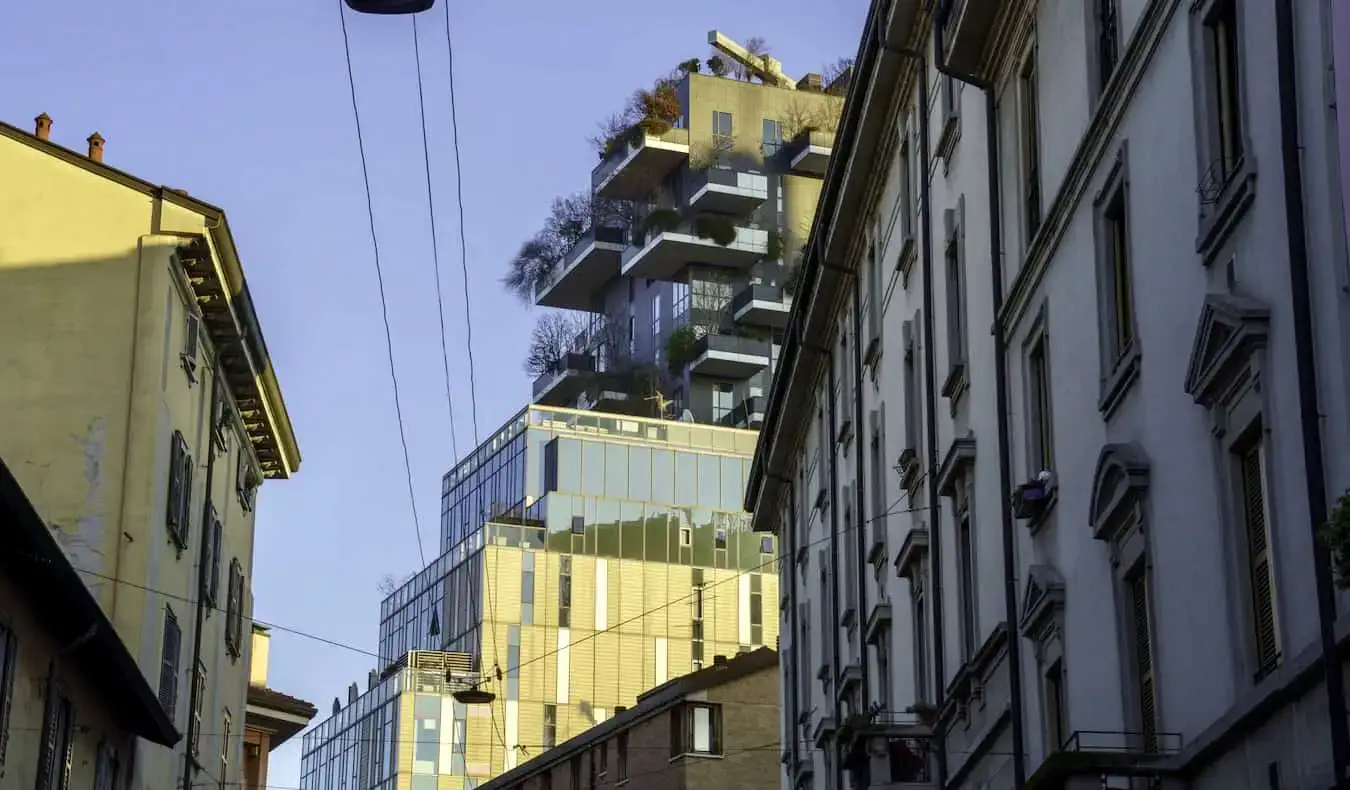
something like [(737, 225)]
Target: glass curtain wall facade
[(589, 558)]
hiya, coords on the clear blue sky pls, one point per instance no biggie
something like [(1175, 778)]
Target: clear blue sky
[(245, 104)]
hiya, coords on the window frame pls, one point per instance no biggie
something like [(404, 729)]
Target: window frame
[(1119, 345), (684, 727), (1252, 439), (9, 670), (1031, 199), (179, 497), (1039, 400), (967, 572), (1104, 22), (170, 662), (57, 748)]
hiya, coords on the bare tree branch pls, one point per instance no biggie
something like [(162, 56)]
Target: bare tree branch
[(552, 338)]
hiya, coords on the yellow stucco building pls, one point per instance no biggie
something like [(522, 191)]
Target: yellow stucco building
[(144, 415)]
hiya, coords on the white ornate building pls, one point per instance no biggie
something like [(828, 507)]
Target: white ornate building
[(1058, 417)]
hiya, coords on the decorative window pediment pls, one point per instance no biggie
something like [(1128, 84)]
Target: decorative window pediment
[(1231, 328), (1042, 604), (960, 457), (1119, 489)]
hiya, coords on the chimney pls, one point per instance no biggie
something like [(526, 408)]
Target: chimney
[(96, 147), (352, 694), (719, 661), (372, 680), (44, 126), (337, 706), (619, 709)]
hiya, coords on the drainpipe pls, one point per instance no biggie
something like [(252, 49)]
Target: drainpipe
[(931, 406), (1300, 281), (833, 621), (202, 576), (794, 669), (862, 525)]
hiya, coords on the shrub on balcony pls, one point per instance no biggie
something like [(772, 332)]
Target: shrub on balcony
[(680, 348), (653, 111), (661, 220), (1336, 534), (715, 228), (569, 220), (717, 66)]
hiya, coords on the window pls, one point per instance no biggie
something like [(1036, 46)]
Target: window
[(210, 570), (656, 328), (198, 698), (604, 759), (882, 648), (803, 672), (965, 555), (696, 617), (9, 654), (724, 402), (1224, 51), (191, 343), (766, 544), (956, 287), (875, 290), (720, 538), (907, 219), (1108, 42), (756, 608), (911, 388), (1119, 308), (180, 491), (951, 98), (721, 132), (513, 662), (1041, 431), (171, 646), (576, 773), (621, 759), (234, 611), (246, 478), (850, 580), (58, 741), (1141, 643), (921, 645), (565, 592), (578, 525), (1261, 576), (686, 537), (551, 466), (1030, 140), (1056, 708), (107, 768), (527, 588), (226, 732), (696, 729), (550, 725), (773, 137)]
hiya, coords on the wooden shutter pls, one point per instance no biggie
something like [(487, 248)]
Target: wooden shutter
[(175, 498), (8, 668), (214, 567), (185, 514), (168, 670), (1143, 658), (1258, 559), (47, 749)]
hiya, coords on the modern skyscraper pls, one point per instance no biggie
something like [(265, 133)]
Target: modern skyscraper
[(684, 269)]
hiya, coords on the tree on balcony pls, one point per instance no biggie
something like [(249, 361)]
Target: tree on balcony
[(551, 340), (570, 219), (837, 76), (653, 111), (801, 114)]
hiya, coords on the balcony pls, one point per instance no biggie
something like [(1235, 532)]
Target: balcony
[(610, 392), (762, 305), (967, 26), (635, 170), (809, 153), (591, 263), (723, 190), (749, 414), (729, 356), (665, 254), (567, 380)]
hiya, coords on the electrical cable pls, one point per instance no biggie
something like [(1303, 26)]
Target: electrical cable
[(435, 246), (362, 651), (379, 276), (463, 242)]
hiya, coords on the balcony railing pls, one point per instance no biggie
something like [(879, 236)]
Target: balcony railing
[(634, 169), (663, 255), (730, 356), (567, 378), (762, 305), (591, 263), (726, 190), (749, 413), (808, 153)]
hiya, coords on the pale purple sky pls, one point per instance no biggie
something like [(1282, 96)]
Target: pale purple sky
[(245, 104)]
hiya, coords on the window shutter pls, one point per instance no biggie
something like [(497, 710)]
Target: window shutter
[(168, 670), (1143, 654), (214, 568), (1258, 558), (175, 498), (185, 513), (8, 668), (47, 754)]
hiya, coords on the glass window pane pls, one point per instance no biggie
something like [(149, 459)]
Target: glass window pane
[(733, 484), (569, 465), (702, 730), (616, 471), (593, 468), (709, 481), (686, 479), (639, 473), (663, 477)]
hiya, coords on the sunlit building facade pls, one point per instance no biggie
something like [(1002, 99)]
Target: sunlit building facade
[(587, 558)]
